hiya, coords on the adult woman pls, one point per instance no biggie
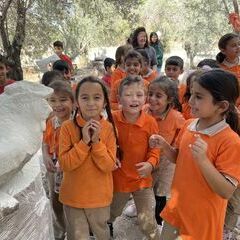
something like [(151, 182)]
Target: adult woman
[(140, 40)]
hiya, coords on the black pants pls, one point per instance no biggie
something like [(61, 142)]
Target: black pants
[(160, 204)]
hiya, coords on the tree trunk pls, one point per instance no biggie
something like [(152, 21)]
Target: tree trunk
[(13, 50)]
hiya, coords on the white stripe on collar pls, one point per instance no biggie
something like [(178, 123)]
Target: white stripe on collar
[(211, 131)]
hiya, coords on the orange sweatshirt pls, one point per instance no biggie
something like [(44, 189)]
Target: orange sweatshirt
[(117, 74), (87, 170), (133, 141)]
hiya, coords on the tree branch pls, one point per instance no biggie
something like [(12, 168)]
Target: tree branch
[(4, 10), (226, 7), (235, 4)]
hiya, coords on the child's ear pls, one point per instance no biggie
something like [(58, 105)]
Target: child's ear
[(223, 105)]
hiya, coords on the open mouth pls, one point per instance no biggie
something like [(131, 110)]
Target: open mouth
[(134, 105)]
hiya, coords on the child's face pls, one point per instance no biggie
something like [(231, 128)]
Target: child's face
[(232, 49), (132, 66), (91, 100), (61, 104), (145, 68), (58, 50), (111, 69), (154, 38), (142, 39), (132, 98), (202, 104), (3, 73), (173, 72), (157, 99)]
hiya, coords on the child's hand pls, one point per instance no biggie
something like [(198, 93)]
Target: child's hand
[(95, 128), (49, 164), (156, 141), (86, 135), (144, 169), (199, 149)]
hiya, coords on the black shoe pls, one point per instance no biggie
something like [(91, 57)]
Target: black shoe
[(110, 225)]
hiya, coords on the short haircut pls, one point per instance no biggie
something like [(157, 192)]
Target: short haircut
[(121, 52), (175, 61), (61, 66), (108, 62), (145, 55), (62, 87), (129, 81), (58, 44), (50, 76)]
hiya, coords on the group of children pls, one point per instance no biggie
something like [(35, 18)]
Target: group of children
[(173, 148)]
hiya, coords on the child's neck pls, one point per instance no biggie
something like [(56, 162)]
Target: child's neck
[(161, 114), (234, 61), (129, 117), (206, 123)]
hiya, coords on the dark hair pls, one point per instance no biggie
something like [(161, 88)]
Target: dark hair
[(62, 87), (134, 54), (91, 79), (223, 86), (108, 62), (144, 54), (129, 80), (222, 44), (175, 61), (58, 44), (208, 62), (61, 66), (121, 52), (191, 77), (51, 76), (135, 35), (170, 89), (150, 38)]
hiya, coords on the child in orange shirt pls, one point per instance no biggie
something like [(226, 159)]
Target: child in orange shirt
[(119, 72), (133, 65), (133, 175), (109, 65), (161, 105), (61, 102), (87, 150), (147, 73), (173, 69), (207, 160), (228, 58)]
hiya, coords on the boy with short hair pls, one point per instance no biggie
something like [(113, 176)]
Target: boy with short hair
[(63, 67), (173, 69), (109, 65), (4, 81), (58, 49), (147, 72), (133, 175)]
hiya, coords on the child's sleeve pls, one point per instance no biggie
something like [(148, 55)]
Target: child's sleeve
[(228, 160), (71, 155), (104, 152), (153, 154)]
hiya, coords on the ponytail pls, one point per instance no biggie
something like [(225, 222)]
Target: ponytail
[(220, 57), (232, 118)]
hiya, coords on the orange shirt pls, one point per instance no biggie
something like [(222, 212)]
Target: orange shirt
[(151, 76), (181, 92), (87, 170), (114, 94), (51, 136), (194, 208), (186, 111), (133, 141), (117, 74), (236, 71)]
